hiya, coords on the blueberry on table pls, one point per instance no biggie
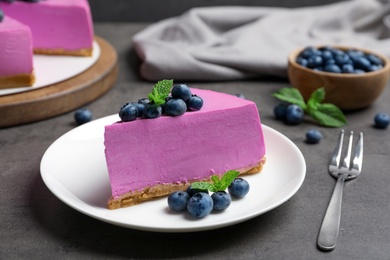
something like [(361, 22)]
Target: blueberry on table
[(381, 120), (152, 111), (178, 200), (221, 200), (175, 107), (195, 103), (294, 114), (313, 136), (181, 91), (82, 116), (200, 205), (239, 188), (280, 111), (128, 112)]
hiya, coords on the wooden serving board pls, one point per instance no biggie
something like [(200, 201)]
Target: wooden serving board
[(62, 97)]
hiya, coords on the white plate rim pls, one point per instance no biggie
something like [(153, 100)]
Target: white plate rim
[(47, 72), (115, 217)]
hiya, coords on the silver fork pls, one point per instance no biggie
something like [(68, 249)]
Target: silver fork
[(329, 231)]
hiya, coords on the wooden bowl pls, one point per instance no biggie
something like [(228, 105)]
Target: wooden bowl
[(347, 91)]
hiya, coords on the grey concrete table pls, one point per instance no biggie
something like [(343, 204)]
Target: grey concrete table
[(35, 224)]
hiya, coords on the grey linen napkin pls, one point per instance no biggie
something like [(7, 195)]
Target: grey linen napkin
[(235, 42)]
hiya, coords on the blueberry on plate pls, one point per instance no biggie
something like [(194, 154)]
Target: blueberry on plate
[(181, 91), (239, 188), (82, 116), (192, 191), (195, 103), (313, 136), (200, 205), (221, 200), (152, 111), (381, 120), (175, 107), (178, 200), (128, 112), (294, 114)]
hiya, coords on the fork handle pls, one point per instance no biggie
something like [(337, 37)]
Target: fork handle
[(329, 231)]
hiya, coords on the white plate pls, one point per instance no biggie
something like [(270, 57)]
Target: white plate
[(51, 69), (74, 169)]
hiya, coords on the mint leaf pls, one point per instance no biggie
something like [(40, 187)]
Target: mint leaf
[(328, 115), (325, 114), (291, 95), (202, 185), (160, 91), (316, 98), (228, 178), (219, 184)]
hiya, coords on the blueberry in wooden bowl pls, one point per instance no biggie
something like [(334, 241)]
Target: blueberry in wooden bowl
[(353, 78)]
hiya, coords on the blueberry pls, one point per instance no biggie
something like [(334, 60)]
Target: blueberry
[(140, 107), (181, 91), (347, 68), (221, 200), (280, 111), (82, 116), (330, 61), (200, 205), (381, 120), (359, 71), (375, 60), (128, 112), (195, 103), (374, 68), (309, 51), (240, 96), (178, 200), (294, 114), (192, 191), (342, 59), (1, 15), (314, 61), (354, 54), (362, 63), (152, 111), (313, 136), (302, 61), (144, 101), (326, 55), (175, 107), (332, 68), (239, 188)]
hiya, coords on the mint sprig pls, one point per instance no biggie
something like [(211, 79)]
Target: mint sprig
[(325, 114), (218, 184), (160, 91)]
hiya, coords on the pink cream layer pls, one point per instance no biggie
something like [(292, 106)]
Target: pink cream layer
[(225, 134), (55, 24), (14, 60)]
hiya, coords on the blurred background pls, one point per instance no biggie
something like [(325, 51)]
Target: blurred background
[(155, 10)]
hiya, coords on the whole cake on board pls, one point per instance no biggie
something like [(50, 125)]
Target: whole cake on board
[(50, 27), (150, 158)]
